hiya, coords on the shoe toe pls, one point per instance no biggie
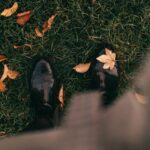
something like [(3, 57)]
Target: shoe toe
[(42, 67), (42, 74)]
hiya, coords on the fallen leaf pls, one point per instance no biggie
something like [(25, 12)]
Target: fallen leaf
[(9, 73), (140, 98), (3, 58), (2, 86), (82, 68), (28, 45), (22, 46), (61, 96), (109, 59), (48, 24), (4, 76), (38, 33), (12, 74), (23, 18), (9, 11)]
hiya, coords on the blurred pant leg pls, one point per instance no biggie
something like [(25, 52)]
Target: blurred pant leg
[(88, 126)]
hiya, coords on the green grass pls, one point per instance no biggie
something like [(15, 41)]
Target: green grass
[(75, 37)]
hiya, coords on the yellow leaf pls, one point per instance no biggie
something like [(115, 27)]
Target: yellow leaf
[(109, 59), (82, 68), (9, 11), (3, 58), (61, 96), (38, 33), (2, 86), (9, 73)]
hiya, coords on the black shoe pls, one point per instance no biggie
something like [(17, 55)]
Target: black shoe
[(105, 80), (42, 95)]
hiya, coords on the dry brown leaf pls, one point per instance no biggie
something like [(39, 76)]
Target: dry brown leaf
[(4, 76), (3, 58), (28, 45), (9, 11), (82, 68), (2, 86), (12, 74), (140, 98), (38, 33), (61, 96), (9, 73), (109, 59), (23, 18), (48, 24), (22, 46)]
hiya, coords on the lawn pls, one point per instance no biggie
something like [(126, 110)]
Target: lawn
[(77, 34)]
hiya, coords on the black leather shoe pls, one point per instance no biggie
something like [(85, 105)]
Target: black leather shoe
[(105, 80), (42, 95)]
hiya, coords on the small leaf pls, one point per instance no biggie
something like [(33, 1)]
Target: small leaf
[(82, 68), (38, 33), (2, 86), (12, 74), (9, 73), (4, 76), (3, 58), (9, 11), (22, 46), (109, 59), (23, 18), (48, 24), (61, 96), (28, 45)]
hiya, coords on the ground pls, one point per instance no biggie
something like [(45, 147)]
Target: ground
[(76, 35)]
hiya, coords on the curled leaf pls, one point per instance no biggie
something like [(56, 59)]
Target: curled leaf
[(9, 73), (61, 96), (2, 86), (4, 76), (22, 46), (48, 24), (109, 59), (12, 74), (9, 11), (3, 58), (82, 68), (38, 33), (23, 18)]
